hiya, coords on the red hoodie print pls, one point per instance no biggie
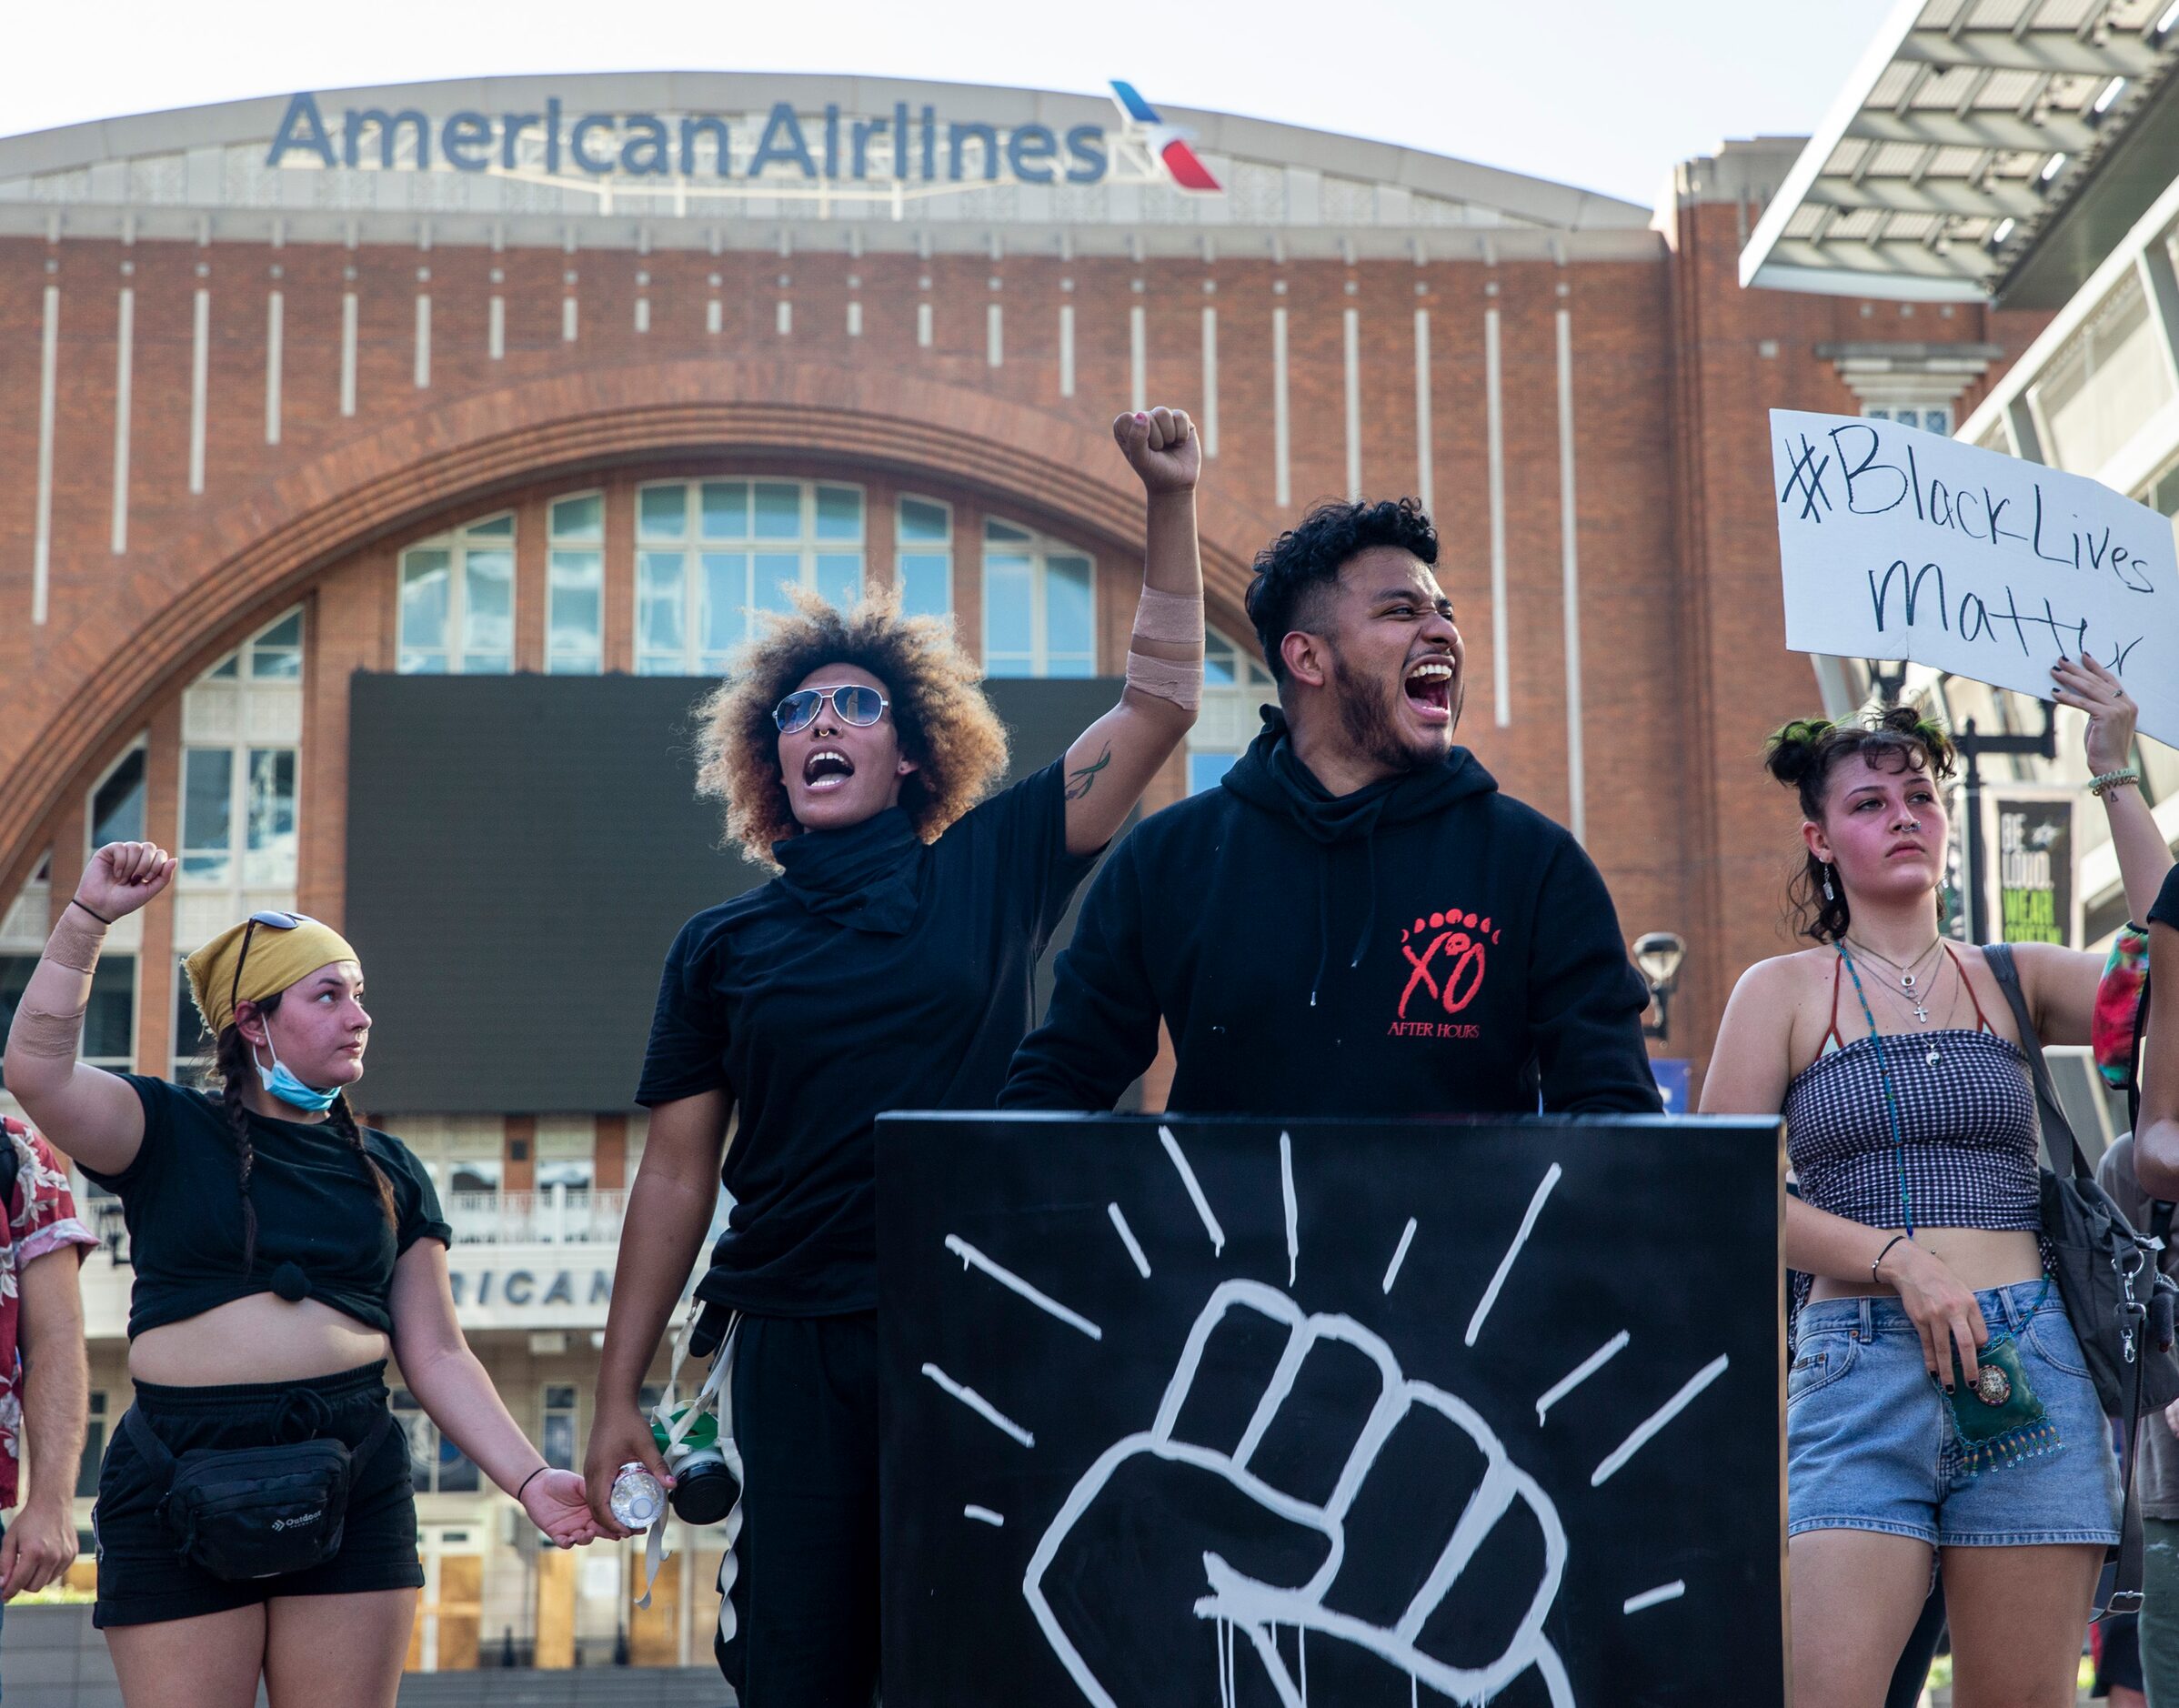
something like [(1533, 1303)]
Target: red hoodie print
[(1447, 957)]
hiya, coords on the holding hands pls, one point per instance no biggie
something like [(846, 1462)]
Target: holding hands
[(1162, 448), (557, 1505)]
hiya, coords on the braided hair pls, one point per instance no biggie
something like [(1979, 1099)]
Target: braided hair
[(234, 1063), (1803, 756)]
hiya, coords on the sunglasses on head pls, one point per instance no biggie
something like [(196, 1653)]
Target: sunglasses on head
[(278, 921), (854, 704)]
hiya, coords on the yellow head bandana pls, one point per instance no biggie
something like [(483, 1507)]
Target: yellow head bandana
[(277, 956)]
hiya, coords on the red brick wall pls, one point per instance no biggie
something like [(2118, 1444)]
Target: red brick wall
[(1683, 663)]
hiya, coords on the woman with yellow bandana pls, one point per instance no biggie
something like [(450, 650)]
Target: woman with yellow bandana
[(282, 1252)]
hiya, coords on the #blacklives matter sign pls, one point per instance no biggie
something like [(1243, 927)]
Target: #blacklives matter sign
[(1222, 1413), (1901, 544)]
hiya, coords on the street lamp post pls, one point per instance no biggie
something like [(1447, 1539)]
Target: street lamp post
[(1658, 955), (1973, 744)]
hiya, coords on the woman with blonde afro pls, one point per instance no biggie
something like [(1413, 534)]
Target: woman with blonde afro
[(885, 965)]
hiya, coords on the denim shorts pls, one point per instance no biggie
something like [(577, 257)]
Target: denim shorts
[(1870, 1444)]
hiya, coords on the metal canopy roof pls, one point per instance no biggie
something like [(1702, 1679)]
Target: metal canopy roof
[(1966, 127)]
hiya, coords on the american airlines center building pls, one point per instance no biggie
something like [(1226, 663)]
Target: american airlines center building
[(384, 473)]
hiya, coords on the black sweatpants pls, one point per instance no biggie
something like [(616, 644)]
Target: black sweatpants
[(801, 1576)]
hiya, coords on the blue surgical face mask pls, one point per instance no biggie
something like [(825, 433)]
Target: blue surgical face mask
[(279, 1082)]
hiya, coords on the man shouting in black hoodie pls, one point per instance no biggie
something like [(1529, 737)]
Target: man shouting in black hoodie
[(1357, 922)]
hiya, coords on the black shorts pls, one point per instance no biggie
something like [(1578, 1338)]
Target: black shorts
[(142, 1577)]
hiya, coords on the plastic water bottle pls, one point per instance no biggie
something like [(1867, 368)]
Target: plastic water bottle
[(638, 1497)]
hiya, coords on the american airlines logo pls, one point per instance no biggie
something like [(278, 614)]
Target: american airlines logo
[(910, 150), (1170, 144)]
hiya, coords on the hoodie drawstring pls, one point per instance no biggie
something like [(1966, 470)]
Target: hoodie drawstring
[(1316, 979), (1368, 926), (1329, 851)]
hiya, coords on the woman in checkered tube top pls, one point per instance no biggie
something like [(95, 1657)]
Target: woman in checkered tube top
[(1893, 1056)]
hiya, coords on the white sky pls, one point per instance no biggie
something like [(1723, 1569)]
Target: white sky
[(1607, 94)]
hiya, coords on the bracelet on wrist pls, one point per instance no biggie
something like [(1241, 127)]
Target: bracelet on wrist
[(99, 917), (526, 1481), (2103, 784), (1878, 1262)]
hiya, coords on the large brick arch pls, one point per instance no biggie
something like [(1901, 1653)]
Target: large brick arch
[(203, 587)]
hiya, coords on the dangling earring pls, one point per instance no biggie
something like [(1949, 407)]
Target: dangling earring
[(1829, 894)]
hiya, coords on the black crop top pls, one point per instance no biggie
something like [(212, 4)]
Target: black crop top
[(320, 1232)]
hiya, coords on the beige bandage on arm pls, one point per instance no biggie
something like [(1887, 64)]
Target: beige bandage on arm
[(1175, 619), (49, 1015), (1168, 620), (1182, 683)]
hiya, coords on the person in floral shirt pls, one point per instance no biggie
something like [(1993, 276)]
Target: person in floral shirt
[(44, 1379)]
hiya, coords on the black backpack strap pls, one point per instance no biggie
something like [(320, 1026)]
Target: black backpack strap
[(147, 1443), (374, 1438), (162, 1462), (2006, 971)]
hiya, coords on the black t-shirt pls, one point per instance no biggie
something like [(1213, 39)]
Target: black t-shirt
[(909, 989), (317, 1211), (2165, 909)]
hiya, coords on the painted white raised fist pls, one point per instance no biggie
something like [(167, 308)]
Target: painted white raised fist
[(1299, 1499)]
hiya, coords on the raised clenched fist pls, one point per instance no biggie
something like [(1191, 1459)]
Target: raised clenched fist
[(1222, 1554), (1162, 448), (122, 877)]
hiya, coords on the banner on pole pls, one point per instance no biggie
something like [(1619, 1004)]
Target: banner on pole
[(2033, 867), (1901, 544)]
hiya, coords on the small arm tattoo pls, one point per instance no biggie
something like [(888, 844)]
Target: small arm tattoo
[(1082, 781)]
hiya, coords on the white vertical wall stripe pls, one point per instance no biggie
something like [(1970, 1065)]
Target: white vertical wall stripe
[(1425, 449), (571, 320), (200, 375), (423, 374), (1138, 358), (994, 335), (1570, 564), (1282, 486), (1066, 349), (715, 316), (923, 327), (348, 353), (1351, 330), (276, 357), (854, 318), (784, 317), (496, 329), (1210, 422), (49, 356), (124, 362), (1502, 676)]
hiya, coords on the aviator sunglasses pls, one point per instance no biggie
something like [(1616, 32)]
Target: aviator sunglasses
[(278, 921), (854, 703)]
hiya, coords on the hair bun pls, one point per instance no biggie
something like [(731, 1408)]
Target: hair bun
[(1792, 748)]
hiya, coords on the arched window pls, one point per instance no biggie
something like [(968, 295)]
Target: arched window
[(711, 552), (242, 726), (1040, 605), (1235, 683), (458, 601), (923, 559), (575, 570)]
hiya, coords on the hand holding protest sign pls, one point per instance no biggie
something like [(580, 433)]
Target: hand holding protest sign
[(1899, 544)]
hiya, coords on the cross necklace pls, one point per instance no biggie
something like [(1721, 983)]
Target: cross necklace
[(1909, 983)]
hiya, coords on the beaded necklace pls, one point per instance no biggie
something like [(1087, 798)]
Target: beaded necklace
[(1883, 1073)]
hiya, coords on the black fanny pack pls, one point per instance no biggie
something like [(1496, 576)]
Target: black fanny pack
[(256, 1512)]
